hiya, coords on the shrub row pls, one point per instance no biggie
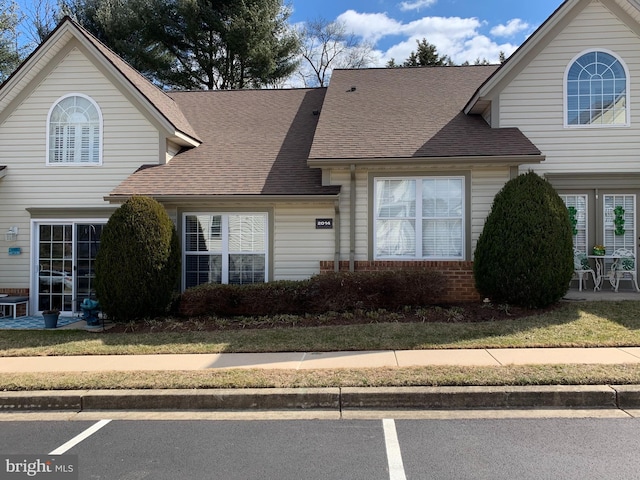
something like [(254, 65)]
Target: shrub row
[(337, 292)]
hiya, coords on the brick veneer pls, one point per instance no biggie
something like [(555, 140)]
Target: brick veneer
[(459, 275)]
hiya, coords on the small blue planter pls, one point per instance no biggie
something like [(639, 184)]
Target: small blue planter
[(50, 320)]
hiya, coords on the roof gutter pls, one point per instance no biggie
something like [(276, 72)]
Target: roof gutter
[(226, 198), (483, 160)]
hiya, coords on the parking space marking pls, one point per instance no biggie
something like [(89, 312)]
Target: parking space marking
[(394, 455), (79, 438)]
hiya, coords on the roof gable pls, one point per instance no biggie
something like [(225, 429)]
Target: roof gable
[(156, 102), (627, 10)]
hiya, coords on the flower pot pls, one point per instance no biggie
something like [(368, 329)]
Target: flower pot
[(50, 320)]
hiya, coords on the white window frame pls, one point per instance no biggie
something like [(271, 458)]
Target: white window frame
[(565, 97), (225, 250), (90, 163), (419, 217), (628, 240), (571, 200), (34, 257)]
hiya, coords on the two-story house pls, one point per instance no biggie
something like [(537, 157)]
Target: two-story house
[(385, 168)]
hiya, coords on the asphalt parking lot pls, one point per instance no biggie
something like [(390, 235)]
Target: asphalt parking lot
[(580, 448)]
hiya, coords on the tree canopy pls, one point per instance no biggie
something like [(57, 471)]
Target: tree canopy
[(426, 55), (195, 44), (10, 52), (328, 45)]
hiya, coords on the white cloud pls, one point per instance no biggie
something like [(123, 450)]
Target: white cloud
[(416, 4), (370, 26), (512, 27), (459, 38)]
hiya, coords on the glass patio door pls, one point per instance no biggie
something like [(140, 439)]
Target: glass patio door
[(66, 254)]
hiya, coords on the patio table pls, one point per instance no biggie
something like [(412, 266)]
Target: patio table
[(600, 270)]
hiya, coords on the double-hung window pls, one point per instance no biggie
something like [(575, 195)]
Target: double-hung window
[(419, 217), (74, 132), (225, 248)]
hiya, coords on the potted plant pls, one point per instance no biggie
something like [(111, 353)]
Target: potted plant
[(51, 318), (599, 250)]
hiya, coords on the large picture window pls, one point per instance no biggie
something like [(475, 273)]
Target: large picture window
[(225, 248), (596, 91), (421, 217), (75, 132)]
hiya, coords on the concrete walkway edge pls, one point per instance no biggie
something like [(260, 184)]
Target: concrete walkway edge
[(334, 399)]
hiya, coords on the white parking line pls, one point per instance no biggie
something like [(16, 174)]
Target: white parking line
[(80, 437), (394, 456)]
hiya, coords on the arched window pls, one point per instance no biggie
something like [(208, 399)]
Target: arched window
[(597, 90), (75, 132)]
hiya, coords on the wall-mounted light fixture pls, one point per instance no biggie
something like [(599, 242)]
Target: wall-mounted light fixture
[(12, 234)]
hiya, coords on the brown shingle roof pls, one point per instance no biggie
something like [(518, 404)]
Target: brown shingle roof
[(409, 113), (255, 142)]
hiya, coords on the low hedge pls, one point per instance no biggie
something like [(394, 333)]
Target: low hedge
[(337, 292)]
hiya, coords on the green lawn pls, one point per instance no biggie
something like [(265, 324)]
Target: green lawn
[(583, 324)]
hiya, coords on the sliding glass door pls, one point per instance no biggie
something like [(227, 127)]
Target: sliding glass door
[(65, 259)]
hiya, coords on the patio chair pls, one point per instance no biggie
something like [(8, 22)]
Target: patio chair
[(581, 268), (624, 266)]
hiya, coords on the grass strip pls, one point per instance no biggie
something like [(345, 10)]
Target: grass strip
[(380, 377)]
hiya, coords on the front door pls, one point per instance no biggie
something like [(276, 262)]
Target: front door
[(65, 261)]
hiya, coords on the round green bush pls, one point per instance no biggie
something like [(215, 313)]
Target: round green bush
[(138, 263), (524, 255)]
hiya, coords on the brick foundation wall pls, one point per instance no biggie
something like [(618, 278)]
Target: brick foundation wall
[(459, 275), (18, 292)]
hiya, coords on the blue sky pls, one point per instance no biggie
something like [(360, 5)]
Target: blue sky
[(462, 29)]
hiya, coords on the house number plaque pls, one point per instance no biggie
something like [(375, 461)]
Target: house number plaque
[(324, 223)]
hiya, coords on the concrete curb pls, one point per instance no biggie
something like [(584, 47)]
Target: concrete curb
[(334, 399)]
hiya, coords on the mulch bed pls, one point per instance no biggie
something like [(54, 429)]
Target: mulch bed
[(452, 313)]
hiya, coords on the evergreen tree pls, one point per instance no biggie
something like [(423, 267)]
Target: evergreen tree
[(196, 44), (138, 262), (426, 55), (524, 255)]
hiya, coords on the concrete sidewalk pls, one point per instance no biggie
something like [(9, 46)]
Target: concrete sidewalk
[(321, 360), (337, 401)]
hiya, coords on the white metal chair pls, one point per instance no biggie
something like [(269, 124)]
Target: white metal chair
[(581, 268), (623, 266)]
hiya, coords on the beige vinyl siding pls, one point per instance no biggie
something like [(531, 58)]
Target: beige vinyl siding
[(129, 140), (485, 184), (342, 177), (534, 101), (298, 247)]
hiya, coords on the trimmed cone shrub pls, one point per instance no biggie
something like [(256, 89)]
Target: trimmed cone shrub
[(524, 255), (138, 263)]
